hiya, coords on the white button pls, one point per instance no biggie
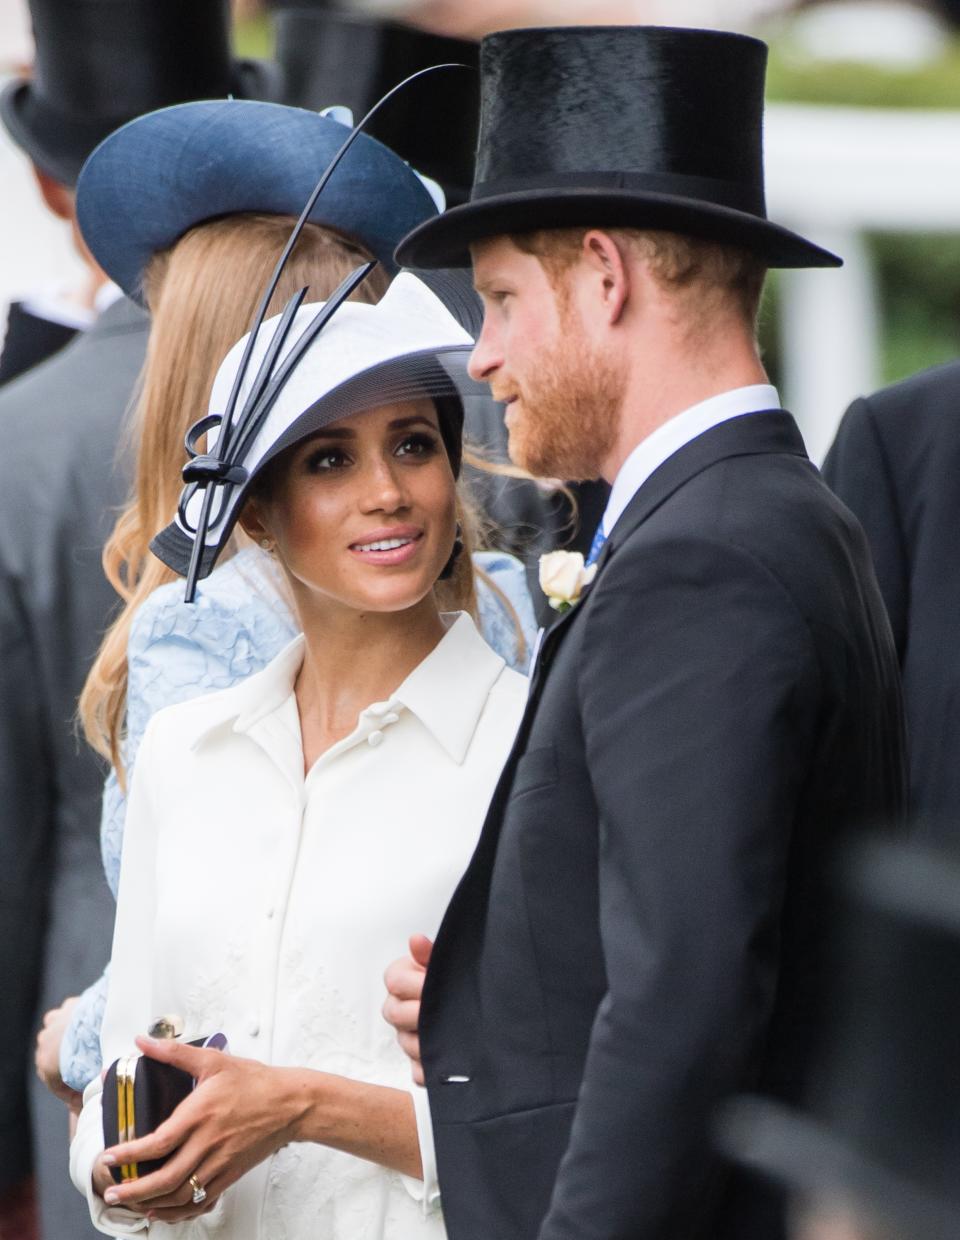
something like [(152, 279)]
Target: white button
[(254, 1028), (374, 739)]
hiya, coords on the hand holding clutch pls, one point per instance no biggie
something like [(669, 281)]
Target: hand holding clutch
[(140, 1093)]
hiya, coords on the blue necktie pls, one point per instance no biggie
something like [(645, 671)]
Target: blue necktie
[(596, 546)]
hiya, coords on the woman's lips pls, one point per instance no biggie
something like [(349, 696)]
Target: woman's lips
[(382, 548)]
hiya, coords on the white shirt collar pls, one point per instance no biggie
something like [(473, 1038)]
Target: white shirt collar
[(447, 691), (674, 434)]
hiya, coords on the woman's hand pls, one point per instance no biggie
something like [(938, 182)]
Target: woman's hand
[(240, 1113), (47, 1054), (401, 1009)]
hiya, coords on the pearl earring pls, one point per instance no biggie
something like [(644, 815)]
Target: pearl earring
[(266, 544)]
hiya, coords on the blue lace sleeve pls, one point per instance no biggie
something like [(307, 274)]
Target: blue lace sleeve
[(496, 623), (177, 651), (80, 1059)]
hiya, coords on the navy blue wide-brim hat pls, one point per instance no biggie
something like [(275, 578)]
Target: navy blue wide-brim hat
[(160, 175)]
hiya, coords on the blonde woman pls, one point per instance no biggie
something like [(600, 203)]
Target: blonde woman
[(284, 835), (201, 279)]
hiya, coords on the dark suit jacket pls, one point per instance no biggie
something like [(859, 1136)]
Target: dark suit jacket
[(638, 934), (896, 464), (29, 339), (60, 431)]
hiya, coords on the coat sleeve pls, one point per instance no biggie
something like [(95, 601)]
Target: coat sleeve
[(128, 1009), (26, 811), (698, 690), (858, 470)]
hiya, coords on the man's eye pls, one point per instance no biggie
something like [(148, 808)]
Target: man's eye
[(417, 445)]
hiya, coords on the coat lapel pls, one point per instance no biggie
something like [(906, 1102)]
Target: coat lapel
[(750, 435)]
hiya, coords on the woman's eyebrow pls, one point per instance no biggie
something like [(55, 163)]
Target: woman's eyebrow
[(417, 418), (333, 432)]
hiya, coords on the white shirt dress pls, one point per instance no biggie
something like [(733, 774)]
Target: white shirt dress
[(266, 905)]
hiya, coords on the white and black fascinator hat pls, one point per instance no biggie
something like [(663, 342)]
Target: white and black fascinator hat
[(294, 374), (302, 371)]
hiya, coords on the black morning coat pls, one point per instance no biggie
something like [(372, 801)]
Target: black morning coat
[(896, 464), (638, 934)]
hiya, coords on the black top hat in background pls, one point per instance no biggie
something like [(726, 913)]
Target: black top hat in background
[(100, 63), (883, 1132), (630, 126), (328, 58)]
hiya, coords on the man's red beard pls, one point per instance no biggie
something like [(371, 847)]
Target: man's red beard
[(565, 421)]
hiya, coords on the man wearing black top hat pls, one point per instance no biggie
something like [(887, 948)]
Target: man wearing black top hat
[(98, 64), (638, 934)]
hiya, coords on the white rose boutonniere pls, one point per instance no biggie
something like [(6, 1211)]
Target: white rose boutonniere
[(563, 577)]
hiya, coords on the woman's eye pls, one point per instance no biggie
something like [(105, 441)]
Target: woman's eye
[(417, 445), (324, 459)]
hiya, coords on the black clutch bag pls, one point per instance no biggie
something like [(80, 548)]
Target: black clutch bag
[(138, 1095)]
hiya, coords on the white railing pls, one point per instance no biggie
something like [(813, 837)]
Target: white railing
[(834, 174)]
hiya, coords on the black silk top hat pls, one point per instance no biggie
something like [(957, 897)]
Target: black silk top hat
[(883, 1131), (328, 58), (639, 126), (99, 63)]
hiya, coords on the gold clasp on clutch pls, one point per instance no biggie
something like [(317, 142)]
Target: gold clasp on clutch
[(126, 1116)]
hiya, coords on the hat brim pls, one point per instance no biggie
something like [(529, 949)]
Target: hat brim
[(57, 150), (436, 374), (798, 1150), (170, 170), (444, 241)]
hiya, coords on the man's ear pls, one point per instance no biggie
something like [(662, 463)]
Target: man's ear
[(59, 199), (603, 256)]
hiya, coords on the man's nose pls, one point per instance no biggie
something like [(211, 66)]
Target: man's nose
[(486, 356)]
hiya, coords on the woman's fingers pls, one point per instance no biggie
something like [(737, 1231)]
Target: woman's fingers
[(420, 949), (167, 1185), (410, 1045), (403, 1014), (194, 1060), (167, 1137), (47, 1052), (180, 1205), (404, 978)]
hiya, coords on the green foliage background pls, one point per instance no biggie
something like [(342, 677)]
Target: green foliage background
[(918, 275)]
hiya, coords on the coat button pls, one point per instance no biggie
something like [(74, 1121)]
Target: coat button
[(374, 739)]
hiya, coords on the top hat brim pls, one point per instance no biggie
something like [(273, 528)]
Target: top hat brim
[(55, 149), (59, 144), (444, 241), (801, 1152)]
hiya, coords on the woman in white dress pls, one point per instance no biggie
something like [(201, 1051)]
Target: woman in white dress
[(285, 836)]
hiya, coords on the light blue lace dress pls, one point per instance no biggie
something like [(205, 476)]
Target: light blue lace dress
[(239, 622)]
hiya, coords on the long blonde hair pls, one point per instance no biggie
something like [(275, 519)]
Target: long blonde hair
[(202, 294)]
